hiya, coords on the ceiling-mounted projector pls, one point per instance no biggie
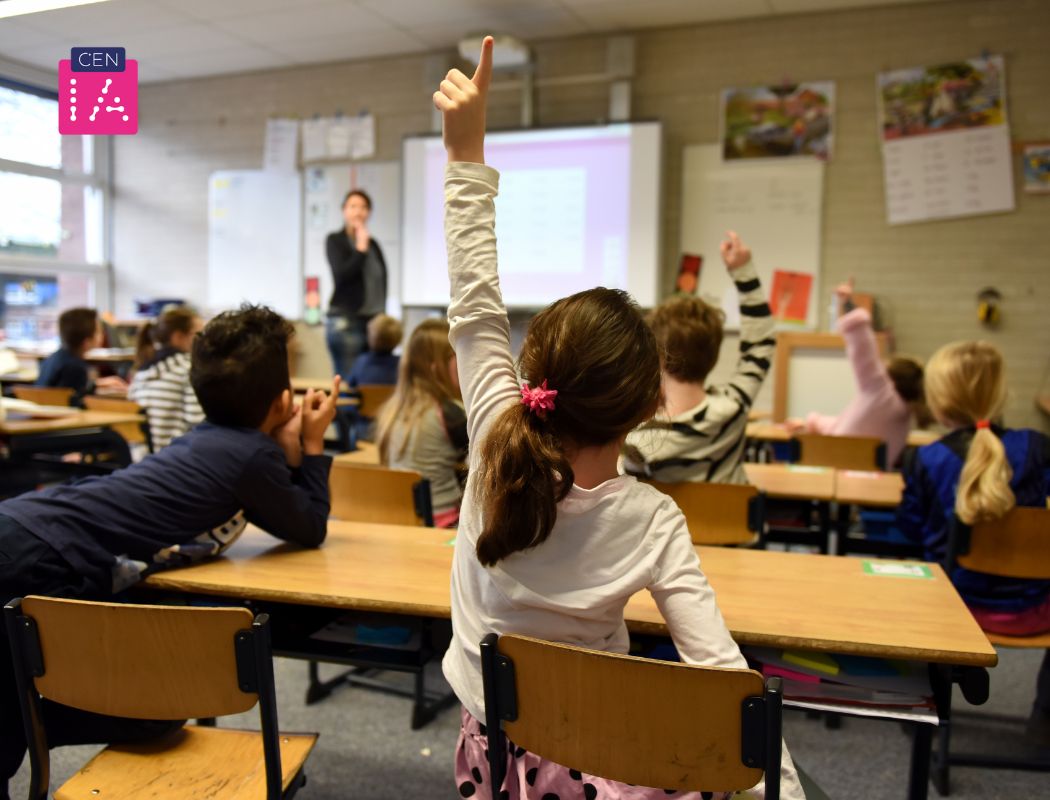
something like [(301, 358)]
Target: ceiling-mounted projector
[(508, 52)]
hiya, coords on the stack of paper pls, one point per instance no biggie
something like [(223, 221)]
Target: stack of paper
[(850, 684)]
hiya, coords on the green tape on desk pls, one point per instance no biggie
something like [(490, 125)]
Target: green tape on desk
[(897, 569)]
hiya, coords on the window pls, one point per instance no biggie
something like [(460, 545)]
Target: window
[(53, 206)]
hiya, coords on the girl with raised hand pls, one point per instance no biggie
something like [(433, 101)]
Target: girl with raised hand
[(552, 541)]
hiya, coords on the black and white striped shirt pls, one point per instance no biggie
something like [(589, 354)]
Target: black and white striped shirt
[(706, 443), (163, 390)]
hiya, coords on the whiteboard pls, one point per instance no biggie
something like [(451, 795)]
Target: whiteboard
[(325, 188), (254, 240), (776, 209)]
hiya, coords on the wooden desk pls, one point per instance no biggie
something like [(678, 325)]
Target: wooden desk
[(100, 355), (793, 482), (28, 375), (771, 599), (72, 421), (777, 432), (366, 455), (302, 385), (854, 487)]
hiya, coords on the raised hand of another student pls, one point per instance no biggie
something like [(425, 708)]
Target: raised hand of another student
[(318, 413), (461, 101), (844, 291), (289, 436), (734, 252), (112, 382)]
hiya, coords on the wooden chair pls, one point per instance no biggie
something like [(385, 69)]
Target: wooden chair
[(1016, 546), (377, 494), (159, 663), (372, 396), (366, 493), (133, 432), (840, 452), (44, 395), (719, 513), (651, 723)]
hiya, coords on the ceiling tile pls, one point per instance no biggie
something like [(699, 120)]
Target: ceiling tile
[(207, 10), (544, 23), (105, 23), (296, 23), (192, 38), (415, 13), (15, 34), (45, 55), (345, 47)]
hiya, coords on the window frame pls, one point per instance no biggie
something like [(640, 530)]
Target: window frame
[(101, 179)]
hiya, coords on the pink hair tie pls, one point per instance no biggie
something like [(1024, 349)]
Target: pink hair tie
[(539, 400)]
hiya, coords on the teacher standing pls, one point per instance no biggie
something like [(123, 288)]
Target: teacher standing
[(359, 277)]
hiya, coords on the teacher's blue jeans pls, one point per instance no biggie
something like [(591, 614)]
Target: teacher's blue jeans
[(347, 339)]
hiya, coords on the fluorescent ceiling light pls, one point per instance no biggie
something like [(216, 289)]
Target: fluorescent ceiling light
[(15, 8)]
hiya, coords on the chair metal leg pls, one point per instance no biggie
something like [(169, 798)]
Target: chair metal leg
[(942, 761)]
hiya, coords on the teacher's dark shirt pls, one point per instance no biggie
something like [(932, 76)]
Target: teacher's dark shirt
[(349, 267)]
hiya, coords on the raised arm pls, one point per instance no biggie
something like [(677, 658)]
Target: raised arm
[(757, 341), (863, 350), (480, 331)]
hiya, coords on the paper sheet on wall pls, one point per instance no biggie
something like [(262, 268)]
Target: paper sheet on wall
[(945, 141), (315, 139), (282, 145), (337, 143), (774, 205), (363, 137)]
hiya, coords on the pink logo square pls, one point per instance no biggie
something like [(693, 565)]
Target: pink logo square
[(98, 103)]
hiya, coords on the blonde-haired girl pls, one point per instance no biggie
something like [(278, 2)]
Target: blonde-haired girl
[(423, 426), (979, 471)]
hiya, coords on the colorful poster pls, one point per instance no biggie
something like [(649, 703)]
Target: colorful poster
[(778, 121), (789, 298), (1036, 168), (958, 96), (945, 141)]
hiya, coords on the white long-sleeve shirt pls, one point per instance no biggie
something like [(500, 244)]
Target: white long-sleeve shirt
[(608, 543)]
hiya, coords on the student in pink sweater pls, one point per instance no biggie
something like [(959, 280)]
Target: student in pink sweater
[(888, 393)]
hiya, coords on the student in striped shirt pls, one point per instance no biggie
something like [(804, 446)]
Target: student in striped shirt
[(162, 379), (699, 433)]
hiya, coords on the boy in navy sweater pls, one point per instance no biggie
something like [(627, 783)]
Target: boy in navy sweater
[(256, 458), (79, 331)]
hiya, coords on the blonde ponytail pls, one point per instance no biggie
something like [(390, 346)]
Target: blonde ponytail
[(984, 492), (965, 385)]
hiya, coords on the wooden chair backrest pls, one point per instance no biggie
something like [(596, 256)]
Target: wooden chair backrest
[(841, 452), (372, 398), (144, 662), (364, 493), (131, 431), (44, 395), (717, 513), (1016, 546), (635, 720)]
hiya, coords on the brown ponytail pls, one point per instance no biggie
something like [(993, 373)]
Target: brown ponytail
[(144, 347), (596, 351), (965, 385), (173, 319)]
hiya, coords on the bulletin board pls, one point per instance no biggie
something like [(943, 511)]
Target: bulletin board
[(776, 209)]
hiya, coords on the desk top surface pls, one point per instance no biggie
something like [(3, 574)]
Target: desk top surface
[(766, 431), (789, 480), (773, 599), (868, 488), (72, 421)]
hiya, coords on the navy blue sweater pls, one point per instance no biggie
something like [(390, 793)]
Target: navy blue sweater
[(188, 501), (931, 475), (65, 368)]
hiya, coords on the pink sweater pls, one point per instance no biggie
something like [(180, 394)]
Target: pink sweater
[(876, 409)]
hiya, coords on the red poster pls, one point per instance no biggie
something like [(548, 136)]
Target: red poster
[(790, 295)]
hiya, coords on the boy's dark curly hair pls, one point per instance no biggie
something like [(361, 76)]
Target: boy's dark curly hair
[(240, 365)]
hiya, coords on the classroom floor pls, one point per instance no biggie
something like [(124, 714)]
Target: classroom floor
[(367, 750)]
